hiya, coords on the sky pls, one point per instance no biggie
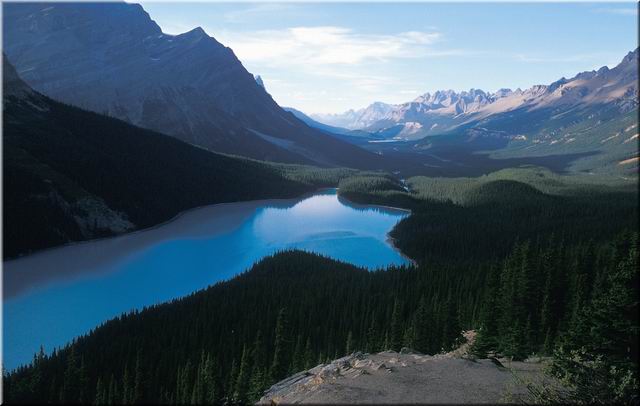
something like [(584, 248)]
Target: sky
[(331, 57)]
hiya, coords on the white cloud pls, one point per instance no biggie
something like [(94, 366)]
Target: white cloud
[(625, 11), (257, 11), (558, 59), (326, 46)]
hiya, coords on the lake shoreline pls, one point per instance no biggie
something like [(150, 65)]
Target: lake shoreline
[(79, 286), (142, 230), (187, 211), (390, 240), (15, 284)]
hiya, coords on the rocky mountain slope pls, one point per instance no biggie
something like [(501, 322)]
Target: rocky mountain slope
[(357, 119), (112, 58), (316, 124), (605, 92), (408, 378), (86, 175)]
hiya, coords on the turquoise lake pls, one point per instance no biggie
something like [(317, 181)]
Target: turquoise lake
[(55, 295)]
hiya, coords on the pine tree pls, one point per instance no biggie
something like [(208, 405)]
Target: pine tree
[(258, 376), (195, 394), (308, 355), (372, 336), (257, 383), (184, 386), (53, 390), (126, 386), (488, 333), (297, 363), (282, 349), (82, 382), (546, 310), (112, 397), (548, 344), (242, 382), (513, 310), (422, 328), (36, 375), (597, 357), (349, 344), (210, 381), (396, 328), (138, 382), (71, 389), (408, 338), (100, 394), (451, 325), (199, 388), (231, 382)]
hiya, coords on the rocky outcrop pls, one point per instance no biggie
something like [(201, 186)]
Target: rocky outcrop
[(408, 377)]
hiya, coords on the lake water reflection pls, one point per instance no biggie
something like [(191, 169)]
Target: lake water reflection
[(58, 294)]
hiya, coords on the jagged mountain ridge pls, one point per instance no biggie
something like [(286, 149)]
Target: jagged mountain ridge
[(316, 124), (112, 58), (356, 119), (446, 110)]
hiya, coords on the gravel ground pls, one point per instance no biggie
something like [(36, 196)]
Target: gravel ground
[(392, 378)]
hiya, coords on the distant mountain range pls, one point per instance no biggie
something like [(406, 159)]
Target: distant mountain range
[(316, 124), (357, 119), (112, 58), (507, 110), (329, 129)]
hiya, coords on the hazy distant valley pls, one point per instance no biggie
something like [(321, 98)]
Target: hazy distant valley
[(592, 114)]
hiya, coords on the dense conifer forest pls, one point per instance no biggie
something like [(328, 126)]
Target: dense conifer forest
[(551, 272), (86, 175), (476, 219)]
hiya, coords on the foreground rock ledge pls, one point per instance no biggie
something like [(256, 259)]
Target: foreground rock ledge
[(406, 377)]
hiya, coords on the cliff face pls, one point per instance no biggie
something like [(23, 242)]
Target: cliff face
[(408, 377), (112, 58)]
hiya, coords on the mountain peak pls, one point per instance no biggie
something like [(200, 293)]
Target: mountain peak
[(631, 56), (259, 81), (196, 32), (12, 84), (113, 58), (503, 92)]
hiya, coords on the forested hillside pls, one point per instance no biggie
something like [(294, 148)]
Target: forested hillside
[(473, 219), (86, 175), (531, 293), (566, 287)]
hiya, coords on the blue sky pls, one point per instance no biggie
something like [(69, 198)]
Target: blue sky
[(330, 57)]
